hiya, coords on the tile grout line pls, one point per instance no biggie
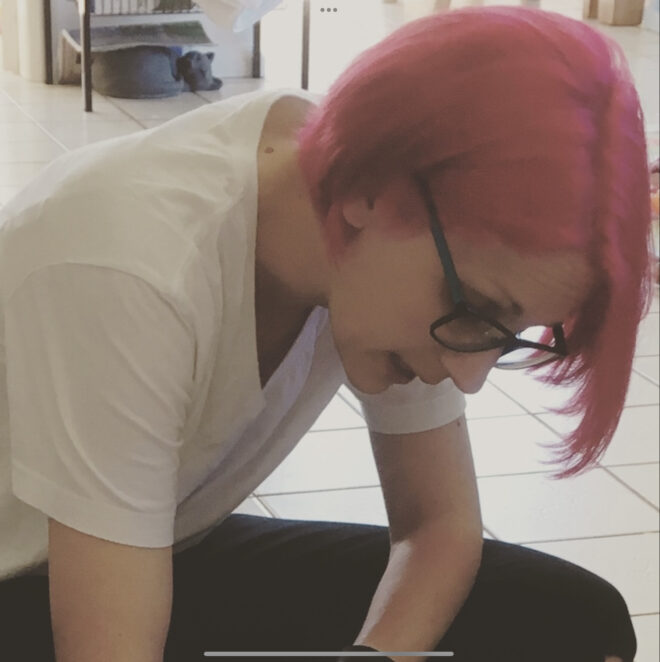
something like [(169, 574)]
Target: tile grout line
[(536, 415), (266, 507), (576, 539), (632, 489), (139, 121), (330, 489), (37, 123), (597, 465), (486, 476), (643, 375), (359, 412)]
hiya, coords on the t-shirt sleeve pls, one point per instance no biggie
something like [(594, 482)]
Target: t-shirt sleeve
[(412, 407), (100, 368)]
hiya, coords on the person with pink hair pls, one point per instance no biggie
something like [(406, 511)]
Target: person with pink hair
[(471, 193)]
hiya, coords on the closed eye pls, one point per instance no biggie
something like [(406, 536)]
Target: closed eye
[(491, 308)]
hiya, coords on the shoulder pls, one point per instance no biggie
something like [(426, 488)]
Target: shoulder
[(285, 115)]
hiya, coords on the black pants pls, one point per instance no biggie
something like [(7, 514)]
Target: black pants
[(262, 584)]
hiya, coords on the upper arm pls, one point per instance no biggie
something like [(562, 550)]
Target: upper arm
[(428, 479), (99, 384), (108, 601)]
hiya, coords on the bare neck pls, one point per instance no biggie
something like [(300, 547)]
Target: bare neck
[(290, 270)]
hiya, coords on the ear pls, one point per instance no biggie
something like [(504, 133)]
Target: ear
[(349, 220), (398, 209), (359, 212)]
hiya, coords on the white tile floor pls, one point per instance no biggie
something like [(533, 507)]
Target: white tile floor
[(605, 520)]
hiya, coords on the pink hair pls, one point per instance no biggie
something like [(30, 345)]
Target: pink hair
[(528, 126)]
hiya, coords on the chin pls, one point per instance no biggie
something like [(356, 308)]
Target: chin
[(374, 379), (363, 379), (370, 386)]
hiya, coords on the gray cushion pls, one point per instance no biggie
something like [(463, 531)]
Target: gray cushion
[(138, 72)]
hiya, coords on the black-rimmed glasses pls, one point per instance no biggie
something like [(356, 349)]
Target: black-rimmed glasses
[(467, 330)]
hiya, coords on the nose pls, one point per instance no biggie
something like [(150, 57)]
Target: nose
[(470, 370)]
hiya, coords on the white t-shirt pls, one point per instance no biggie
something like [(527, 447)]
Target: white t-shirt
[(131, 408)]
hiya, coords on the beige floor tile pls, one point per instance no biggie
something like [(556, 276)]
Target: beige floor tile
[(18, 175), (635, 440), (509, 445), (533, 395), (11, 114), (150, 124), (323, 461), (77, 134), (630, 563), (647, 631), (7, 193), (347, 395), (338, 415), (70, 109), (490, 402), (158, 109), (649, 367), (30, 151), (5, 99), (539, 398), (14, 132), (360, 505), (252, 506), (532, 508), (234, 86), (655, 304), (559, 423), (643, 479), (28, 93), (25, 91), (641, 391), (648, 338)]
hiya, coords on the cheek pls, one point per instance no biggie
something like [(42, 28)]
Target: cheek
[(359, 313), (383, 305), (422, 309), (384, 325)]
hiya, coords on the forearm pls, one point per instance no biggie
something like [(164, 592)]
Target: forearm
[(427, 580)]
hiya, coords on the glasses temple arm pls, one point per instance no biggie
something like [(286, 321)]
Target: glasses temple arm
[(441, 245)]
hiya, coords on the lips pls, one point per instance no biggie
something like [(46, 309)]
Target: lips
[(401, 366)]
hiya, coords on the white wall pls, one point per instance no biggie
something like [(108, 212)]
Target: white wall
[(651, 20), (31, 40), (23, 40), (10, 35)]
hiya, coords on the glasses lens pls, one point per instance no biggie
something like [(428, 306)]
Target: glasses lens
[(524, 357), (469, 333)]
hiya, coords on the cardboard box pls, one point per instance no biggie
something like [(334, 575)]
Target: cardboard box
[(620, 12), (590, 9)]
